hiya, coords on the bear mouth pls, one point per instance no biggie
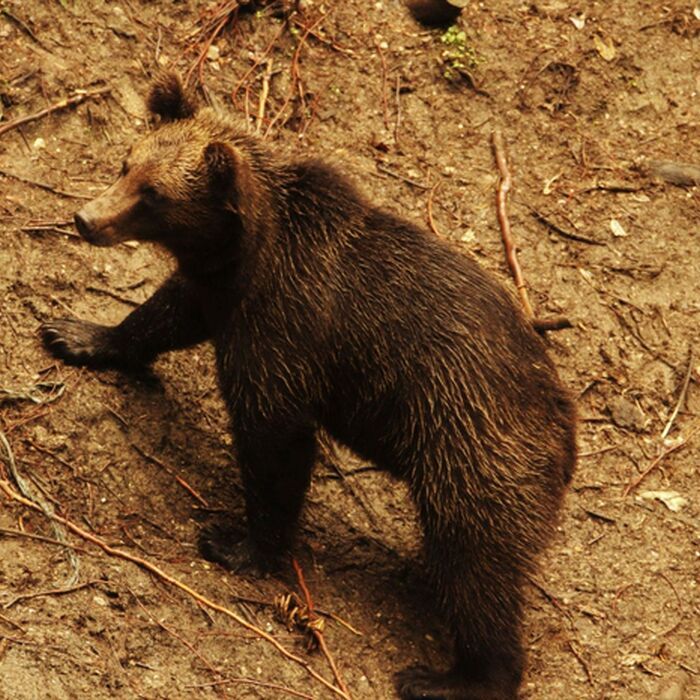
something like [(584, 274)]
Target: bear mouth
[(101, 236)]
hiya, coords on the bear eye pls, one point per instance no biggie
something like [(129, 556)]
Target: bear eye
[(150, 194), (125, 168)]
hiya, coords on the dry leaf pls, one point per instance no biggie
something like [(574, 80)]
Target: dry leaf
[(578, 22), (671, 499), (586, 274), (605, 49), (617, 229), (548, 184), (635, 659)]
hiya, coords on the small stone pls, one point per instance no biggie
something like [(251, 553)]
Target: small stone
[(39, 144), (626, 414)]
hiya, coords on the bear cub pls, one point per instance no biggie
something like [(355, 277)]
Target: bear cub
[(328, 311)]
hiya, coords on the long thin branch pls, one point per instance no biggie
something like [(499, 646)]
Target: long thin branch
[(43, 185), (556, 323), (264, 91), (315, 631), (431, 220), (52, 591), (71, 101), (681, 396), (506, 235), (152, 568), (36, 498), (634, 483), (294, 72)]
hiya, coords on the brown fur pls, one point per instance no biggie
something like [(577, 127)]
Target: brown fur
[(168, 100), (326, 311), (434, 13)]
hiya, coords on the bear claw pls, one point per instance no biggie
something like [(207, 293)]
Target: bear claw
[(229, 547), (76, 342)]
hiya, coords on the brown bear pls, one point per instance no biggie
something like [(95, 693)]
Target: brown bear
[(327, 311)]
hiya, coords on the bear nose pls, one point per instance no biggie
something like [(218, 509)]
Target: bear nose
[(83, 224)]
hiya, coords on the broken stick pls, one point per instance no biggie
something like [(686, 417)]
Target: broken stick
[(163, 576), (506, 235), (71, 101), (541, 325)]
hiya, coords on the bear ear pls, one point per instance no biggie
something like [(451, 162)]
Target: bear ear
[(227, 172), (169, 99)]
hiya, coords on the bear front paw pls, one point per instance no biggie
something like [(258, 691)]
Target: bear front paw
[(232, 549), (78, 342)]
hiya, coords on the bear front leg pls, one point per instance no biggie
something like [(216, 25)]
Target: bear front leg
[(276, 470), (169, 320)]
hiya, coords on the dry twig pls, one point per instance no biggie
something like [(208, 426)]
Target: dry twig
[(634, 483), (258, 61), (231, 680), (681, 396), (556, 323), (158, 572), (154, 460), (296, 84), (53, 591), (418, 185), (43, 185), (397, 124), (506, 235), (328, 42), (22, 25), (112, 295), (9, 532), (582, 661), (541, 325), (214, 22), (562, 231), (223, 680), (551, 598), (331, 458), (50, 227), (264, 91), (316, 630), (12, 623), (36, 498), (71, 101), (431, 221), (385, 104)]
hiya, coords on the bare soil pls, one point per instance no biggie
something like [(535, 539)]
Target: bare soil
[(585, 95)]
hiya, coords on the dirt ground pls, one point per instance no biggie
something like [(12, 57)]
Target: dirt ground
[(586, 94)]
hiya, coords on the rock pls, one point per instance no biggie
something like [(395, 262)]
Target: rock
[(626, 414)]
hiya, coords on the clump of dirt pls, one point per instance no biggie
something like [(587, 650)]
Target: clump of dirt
[(585, 99)]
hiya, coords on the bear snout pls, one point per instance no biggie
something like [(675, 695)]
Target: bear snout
[(96, 233), (83, 224)]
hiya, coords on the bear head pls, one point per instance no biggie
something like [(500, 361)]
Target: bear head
[(189, 185)]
